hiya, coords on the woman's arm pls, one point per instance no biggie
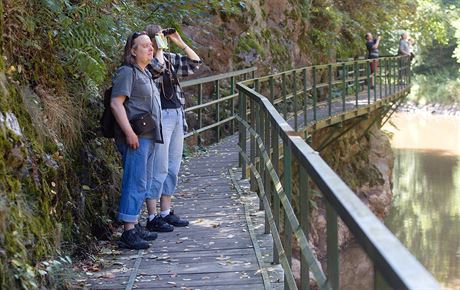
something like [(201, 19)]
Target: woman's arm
[(377, 42), (175, 37), (158, 63), (119, 112)]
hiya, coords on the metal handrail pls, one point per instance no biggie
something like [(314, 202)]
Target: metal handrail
[(266, 126), (216, 102)]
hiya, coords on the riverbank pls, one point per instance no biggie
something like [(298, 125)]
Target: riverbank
[(436, 108)]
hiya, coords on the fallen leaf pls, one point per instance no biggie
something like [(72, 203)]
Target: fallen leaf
[(108, 275)]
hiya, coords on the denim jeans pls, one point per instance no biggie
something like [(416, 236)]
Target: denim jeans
[(137, 176), (168, 156)]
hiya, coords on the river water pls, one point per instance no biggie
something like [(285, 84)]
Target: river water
[(425, 212)]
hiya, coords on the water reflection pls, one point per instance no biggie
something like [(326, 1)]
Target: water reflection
[(425, 214)]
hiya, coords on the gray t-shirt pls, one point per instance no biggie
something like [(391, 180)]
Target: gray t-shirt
[(142, 97), (403, 47)]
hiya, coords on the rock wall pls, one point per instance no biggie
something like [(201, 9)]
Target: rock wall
[(268, 34), (363, 158)]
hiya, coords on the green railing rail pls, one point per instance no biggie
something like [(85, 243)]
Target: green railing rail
[(213, 105), (306, 98)]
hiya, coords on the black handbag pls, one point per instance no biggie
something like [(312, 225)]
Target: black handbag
[(143, 124)]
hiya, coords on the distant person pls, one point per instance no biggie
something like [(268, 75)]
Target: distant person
[(404, 45), (372, 46), (135, 103), (168, 156), (404, 49)]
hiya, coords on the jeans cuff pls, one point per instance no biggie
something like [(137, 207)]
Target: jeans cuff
[(153, 195), (128, 218)]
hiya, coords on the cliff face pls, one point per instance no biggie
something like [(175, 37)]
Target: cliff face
[(267, 34), (363, 158)]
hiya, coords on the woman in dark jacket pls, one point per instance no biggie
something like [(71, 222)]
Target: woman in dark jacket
[(168, 156)]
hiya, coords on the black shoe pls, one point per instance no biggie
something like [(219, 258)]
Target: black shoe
[(158, 224), (175, 220), (131, 240), (145, 234)]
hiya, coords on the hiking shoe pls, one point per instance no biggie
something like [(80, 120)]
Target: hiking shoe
[(158, 224), (145, 234), (175, 220), (131, 240)]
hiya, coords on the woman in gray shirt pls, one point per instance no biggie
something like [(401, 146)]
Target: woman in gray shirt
[(135, 103)]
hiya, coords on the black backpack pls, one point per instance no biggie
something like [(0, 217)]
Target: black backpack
[(108, 121)]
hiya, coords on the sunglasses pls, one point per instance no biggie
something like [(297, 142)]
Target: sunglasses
[(136, 35)]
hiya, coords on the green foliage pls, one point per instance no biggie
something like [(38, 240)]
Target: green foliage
[(456, 25), (250, 41), (438, 88)]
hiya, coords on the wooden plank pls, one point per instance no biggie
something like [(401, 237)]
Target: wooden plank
[(192, 280)]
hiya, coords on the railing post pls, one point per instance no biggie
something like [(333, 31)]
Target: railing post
[(252, 117), (332, 247), (242, 132), (345, 87), (267, 180), (379, 281), (304, 199), (390, 75), (380, 80), (329, 86), (287, 185), (393, 66), (260, 165), (409, 72), (314, 91), (386, 76), (356, 67), (294, 99), (276, 199), (305, 97), (368, 73), (232, 108), (200, 113), (284, 94), (270, 87), (376, 69), (217, 85)]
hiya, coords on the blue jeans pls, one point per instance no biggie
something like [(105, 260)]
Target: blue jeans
[(137, 176), (168, 155)]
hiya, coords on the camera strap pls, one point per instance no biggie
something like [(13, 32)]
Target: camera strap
[(169, 79)]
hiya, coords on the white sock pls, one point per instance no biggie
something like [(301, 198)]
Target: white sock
[(152, 216), (164, 213)]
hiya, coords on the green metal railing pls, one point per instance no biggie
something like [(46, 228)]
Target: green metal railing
[(278, 112), (213, 103)]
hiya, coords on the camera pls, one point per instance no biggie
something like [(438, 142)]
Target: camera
[(168, 31), (161, 41)]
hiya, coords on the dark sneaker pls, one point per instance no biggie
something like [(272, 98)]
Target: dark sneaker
[(175, 220), (145, 234), (158, 224), (131, 240)]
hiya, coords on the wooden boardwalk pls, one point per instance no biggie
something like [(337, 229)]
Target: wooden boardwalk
[(224, 247), (218, 249)]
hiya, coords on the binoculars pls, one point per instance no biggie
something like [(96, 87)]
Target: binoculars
[(168, 31)]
